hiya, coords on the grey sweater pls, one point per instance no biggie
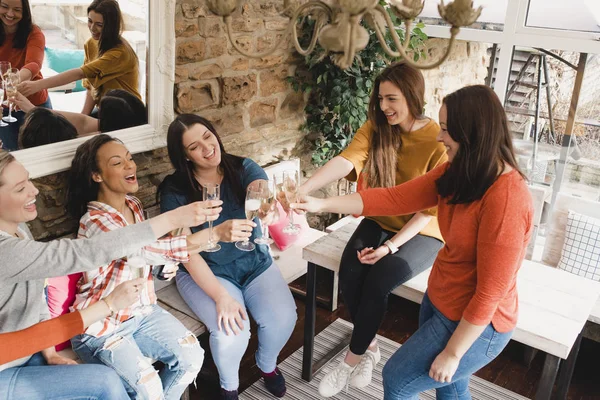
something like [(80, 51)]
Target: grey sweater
[(25, 263)]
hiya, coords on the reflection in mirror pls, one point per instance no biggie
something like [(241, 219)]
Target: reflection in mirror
[(91, 72)]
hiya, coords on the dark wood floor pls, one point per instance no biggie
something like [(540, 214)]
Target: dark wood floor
[(401, 321)]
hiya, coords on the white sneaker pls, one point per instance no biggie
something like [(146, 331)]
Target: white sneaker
[(363, 373), (336, 380)]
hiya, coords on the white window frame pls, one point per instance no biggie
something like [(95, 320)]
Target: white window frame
[(516, 34), (56, 157)]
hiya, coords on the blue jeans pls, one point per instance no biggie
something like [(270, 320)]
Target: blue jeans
[(406, 374), (10, 134), (270, 302), (157, 335), (37, 380)]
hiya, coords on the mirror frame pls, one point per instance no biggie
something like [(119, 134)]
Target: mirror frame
[(49, 159)]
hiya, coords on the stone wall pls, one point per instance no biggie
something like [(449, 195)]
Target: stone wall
[(250, 102)]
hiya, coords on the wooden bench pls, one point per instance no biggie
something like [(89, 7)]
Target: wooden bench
[(554, 306)]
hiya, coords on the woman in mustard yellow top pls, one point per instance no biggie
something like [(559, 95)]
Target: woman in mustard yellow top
[(110, 62), (395, 145)]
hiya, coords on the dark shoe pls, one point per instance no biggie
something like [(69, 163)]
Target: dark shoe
[(275, 383), (228, 394)]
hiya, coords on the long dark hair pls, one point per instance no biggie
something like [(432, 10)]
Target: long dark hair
[(23, 29), (477, 122), (43, 126), (386, 139), (120, 109), (183, 180), (112, 25), (81, 188)]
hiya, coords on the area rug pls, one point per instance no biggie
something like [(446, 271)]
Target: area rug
[(298, 389)]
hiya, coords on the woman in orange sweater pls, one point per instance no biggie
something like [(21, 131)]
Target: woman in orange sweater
[(485, 215), (22, 44)]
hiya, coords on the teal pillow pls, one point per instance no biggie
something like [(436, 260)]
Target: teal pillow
[(61, 60)]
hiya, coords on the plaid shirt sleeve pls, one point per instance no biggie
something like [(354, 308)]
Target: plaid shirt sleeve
[(166, 250)]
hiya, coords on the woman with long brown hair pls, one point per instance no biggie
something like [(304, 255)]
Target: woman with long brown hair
[(110, 62), (395, 145), (485, 214)]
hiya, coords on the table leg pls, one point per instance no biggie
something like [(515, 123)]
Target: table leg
[(546, 383), (309, 322), (566, 372)]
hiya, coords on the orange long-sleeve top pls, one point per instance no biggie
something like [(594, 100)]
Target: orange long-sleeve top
[(475, 274), (15, 345), (31, 57)]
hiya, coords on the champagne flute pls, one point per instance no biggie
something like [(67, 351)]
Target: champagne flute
[(211, 191), (268, 208), (137, 266), (4, 68), (2, 123), (251, 206), (289, 191), (11, 81)]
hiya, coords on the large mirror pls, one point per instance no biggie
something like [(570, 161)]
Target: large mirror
[(149, 32)]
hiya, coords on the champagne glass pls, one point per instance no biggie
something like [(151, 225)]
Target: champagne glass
[(252, 206), (11, 82), (288, 191), (211, 191), (4, 68), (137, 266), (267, 211)]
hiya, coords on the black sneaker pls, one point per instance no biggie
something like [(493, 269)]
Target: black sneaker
[(228, 394), (275, 383)]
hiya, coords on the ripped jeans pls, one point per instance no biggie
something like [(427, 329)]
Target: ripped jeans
[(157, 335)]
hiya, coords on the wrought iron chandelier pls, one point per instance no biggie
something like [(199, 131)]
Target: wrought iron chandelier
[(339, 31)]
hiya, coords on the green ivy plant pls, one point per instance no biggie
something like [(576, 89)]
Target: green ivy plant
[(338, 99)]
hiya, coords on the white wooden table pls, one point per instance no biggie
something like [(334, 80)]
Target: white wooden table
[(554, 305)]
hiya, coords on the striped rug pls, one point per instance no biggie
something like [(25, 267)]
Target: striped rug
[(298, 389)]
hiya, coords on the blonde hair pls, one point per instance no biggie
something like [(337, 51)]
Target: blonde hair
[(5, 159)]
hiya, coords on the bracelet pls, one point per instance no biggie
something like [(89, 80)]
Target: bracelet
[(112, 311), (393, 248)]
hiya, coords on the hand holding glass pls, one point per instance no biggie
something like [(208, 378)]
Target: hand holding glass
[(4, 68)]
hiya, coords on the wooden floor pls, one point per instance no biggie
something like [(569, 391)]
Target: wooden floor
[(401, 321)]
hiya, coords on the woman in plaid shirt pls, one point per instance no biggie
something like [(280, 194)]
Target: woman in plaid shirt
[(103, 174)]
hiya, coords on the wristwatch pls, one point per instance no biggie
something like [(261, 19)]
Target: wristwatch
[(391, 246)]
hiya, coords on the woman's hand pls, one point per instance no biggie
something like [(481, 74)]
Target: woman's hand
[(444, 367), (28, 88), (196, 213), (233, 230), (22, 103), (370, 256), (125, 294), (230, 313), (53, 358), (308, 204)]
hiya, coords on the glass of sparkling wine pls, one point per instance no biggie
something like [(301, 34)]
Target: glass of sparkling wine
[(211, 191), (137, 266), (252, 206), (267, 213), (289, 190), (2, 123), (4, 68), (11, 81)]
